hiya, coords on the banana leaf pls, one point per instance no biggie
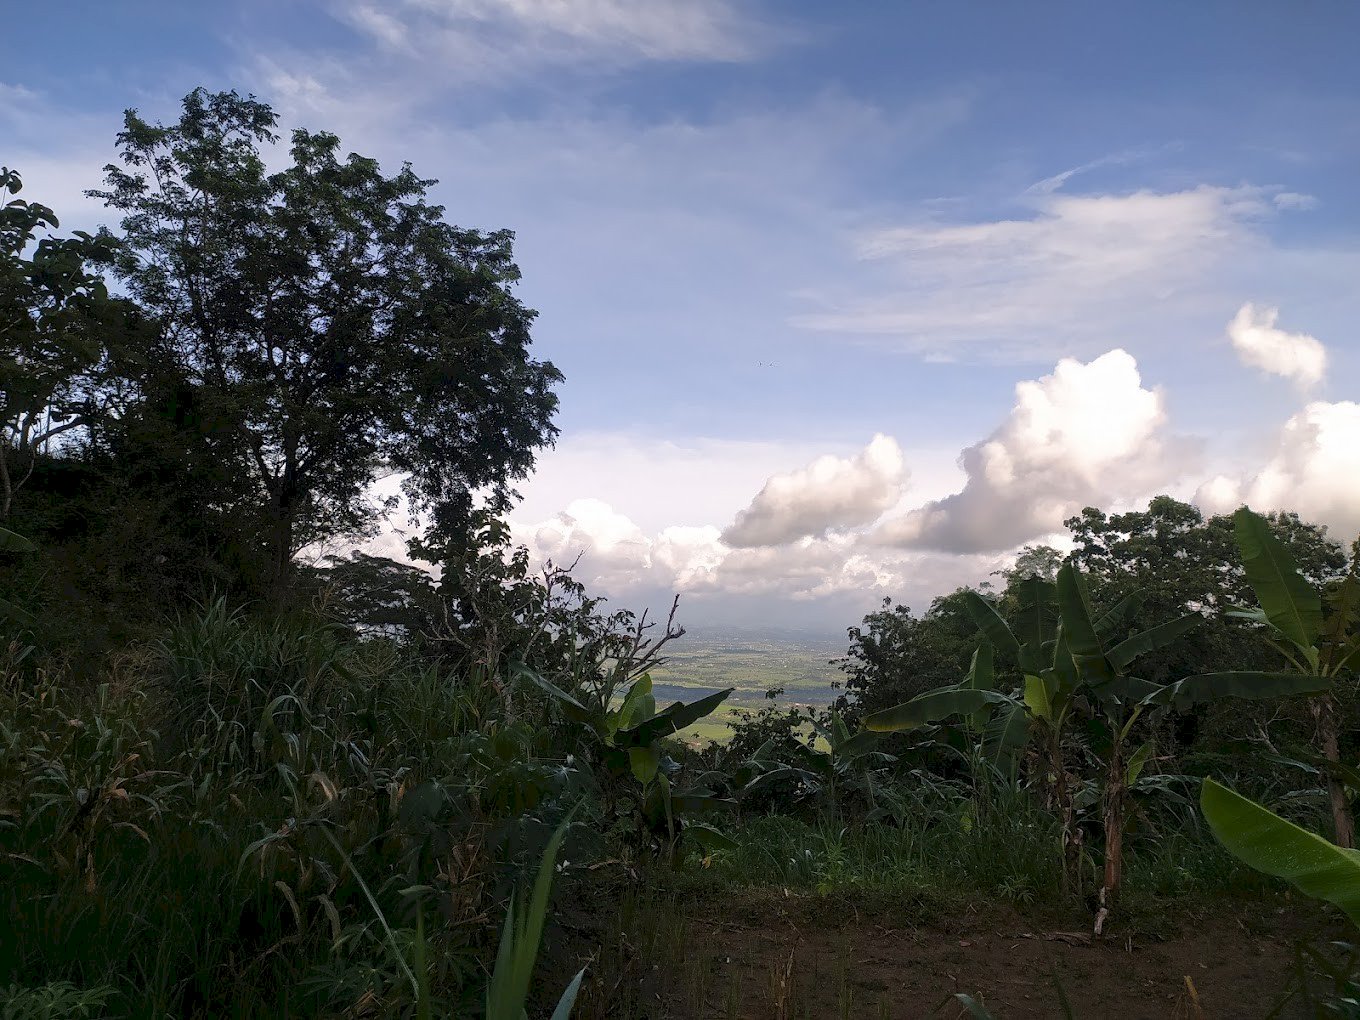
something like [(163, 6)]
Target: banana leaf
[(1206, 687), (1265, 841), (1291, 604), (670, 720), (930, 707), (991, 624), (1150, 640)]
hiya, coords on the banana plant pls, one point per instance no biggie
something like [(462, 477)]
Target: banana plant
[(1083, 670), (847, 764), (1291, 619), (628, 741)]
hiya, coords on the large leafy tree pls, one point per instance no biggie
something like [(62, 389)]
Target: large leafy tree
[(1179, 558), (56, 319), (323, 324)]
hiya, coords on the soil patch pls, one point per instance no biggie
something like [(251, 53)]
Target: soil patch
[(770, 956)]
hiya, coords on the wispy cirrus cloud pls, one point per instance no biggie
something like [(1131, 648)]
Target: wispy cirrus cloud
[(1075, 268), (510, 39)]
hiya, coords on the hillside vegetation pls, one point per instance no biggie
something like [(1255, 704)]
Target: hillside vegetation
[(240, 779)]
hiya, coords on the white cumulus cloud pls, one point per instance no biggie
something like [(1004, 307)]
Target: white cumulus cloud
[(1088, 434), (1315, 472), (1262, 344), (830, 493)]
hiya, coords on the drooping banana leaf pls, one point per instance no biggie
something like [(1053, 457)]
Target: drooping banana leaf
[(671, 720), (1263, 840), (1206, 687), (1007, 731), (991, 624), (1291, 604), (1122, 654), (930, 707), (13, 543), (1120, 614)]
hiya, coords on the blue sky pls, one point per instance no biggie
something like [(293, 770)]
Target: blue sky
[(761, 235)]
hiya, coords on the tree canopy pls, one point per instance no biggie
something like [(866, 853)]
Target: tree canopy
[(321, 325)]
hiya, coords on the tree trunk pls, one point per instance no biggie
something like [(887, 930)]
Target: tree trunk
[(1071, 838), (1343, 824), (1114, 835)]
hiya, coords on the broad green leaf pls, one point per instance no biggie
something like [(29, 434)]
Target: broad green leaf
[(981, 676), (930, 707), (638, 704), (644, 761), (860, 743), (838, 729), (1137, 760), (991, 624), (1150, 640), (1078, 630), (1120, 613), (1207, 687), (1006, 731), (12, 543), (1038, 696), (1034, 620), (1291, 604), (671, 720), (1265, 841), (709, 838)]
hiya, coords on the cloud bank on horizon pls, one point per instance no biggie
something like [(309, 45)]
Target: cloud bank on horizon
[(850, 302), (1088, 434)]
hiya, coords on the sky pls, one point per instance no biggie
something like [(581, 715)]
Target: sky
[(852, 300)]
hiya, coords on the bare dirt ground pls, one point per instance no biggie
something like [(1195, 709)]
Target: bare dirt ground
[(770, 956)]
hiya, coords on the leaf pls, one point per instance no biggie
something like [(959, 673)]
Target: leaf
[(638, 704), (568, 1000), (861, 743), (1137, 760), (1120, 613), (671, 720), (12, 543), (710, 838), (1078, 630), (932, 706), (1039, 696), (981, 676), (1265, 841), (574, 710), (644, 761), (1006, 731), (1207, 687), (1150, 640), (1291, 604), (991, 624), (1034, 620)]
